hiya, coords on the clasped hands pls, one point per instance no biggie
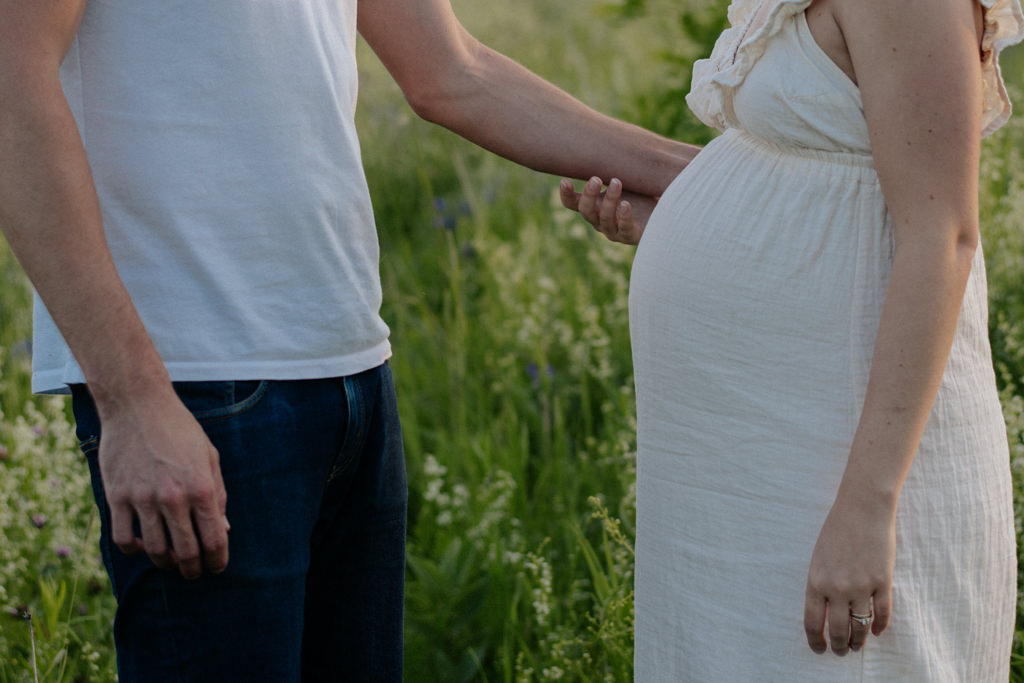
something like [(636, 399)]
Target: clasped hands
[(619, 215)]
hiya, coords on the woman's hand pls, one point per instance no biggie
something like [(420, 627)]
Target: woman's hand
[(620, 216), (849, 584)]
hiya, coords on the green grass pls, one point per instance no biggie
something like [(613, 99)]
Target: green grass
[(514, 377)]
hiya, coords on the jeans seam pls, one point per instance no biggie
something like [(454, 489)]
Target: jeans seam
[(354, 429), (173, 642)]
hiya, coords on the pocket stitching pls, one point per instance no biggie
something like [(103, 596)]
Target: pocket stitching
[(89, 445), (225, 412)]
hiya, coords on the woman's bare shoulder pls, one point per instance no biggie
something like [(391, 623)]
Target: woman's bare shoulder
[(828, 21)]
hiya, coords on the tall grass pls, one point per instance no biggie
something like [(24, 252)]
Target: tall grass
[(512, 357), (512, 362)]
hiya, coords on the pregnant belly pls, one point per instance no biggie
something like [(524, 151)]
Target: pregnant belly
[(752, 231), (759, 272)]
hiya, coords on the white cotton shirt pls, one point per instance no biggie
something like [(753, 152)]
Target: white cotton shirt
[(222, 142)]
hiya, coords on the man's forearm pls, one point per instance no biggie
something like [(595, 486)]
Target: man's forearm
[(450, 78), (505, 108)]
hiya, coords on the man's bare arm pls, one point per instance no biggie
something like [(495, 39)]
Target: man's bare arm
[(158, 467), (451, 79)]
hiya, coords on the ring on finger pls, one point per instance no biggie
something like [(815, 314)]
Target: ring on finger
[(862, 619)]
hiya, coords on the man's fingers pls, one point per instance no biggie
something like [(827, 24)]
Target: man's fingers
[(121, 529), (198, 532), (218, 483), (183, 538), (154, 538), (213, 533), (213, 524)]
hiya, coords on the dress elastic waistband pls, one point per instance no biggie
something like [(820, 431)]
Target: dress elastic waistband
[(739, 136)]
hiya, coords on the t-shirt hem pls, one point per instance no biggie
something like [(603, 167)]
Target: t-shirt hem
[(58, 380)]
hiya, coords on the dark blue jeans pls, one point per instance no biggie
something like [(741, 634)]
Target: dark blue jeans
[(315, 477)]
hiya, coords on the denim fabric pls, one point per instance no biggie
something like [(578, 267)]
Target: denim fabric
[(315, 476)]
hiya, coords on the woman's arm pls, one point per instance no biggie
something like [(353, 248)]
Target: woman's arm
[(917, 66)]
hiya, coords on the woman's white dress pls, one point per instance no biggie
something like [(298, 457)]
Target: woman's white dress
[(754, 304)]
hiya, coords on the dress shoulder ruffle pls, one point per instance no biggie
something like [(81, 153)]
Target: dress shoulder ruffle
[(740, 46), (734, 55), (1004, 26)]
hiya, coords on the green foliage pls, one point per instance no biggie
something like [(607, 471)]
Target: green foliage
[(55, 607), (513, 363), (697, 25), (1002, 212), (54, 594)]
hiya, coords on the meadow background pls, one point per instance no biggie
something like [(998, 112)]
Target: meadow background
[(513, 371)]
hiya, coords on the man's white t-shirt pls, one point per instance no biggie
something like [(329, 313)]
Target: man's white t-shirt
[(224, 151)]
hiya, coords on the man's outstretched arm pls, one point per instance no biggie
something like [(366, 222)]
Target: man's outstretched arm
[(450, 78), (157, 465)]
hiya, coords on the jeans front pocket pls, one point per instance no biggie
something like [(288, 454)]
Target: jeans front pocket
[(213, 401)]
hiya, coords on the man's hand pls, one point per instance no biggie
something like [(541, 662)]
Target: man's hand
[(159, 467), (618, 215)]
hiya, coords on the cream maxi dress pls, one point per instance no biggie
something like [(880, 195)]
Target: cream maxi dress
[(755, 300)]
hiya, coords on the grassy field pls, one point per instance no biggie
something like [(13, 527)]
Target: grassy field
[(514, 377)]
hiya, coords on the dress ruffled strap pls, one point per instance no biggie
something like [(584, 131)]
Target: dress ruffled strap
[(734, 55), (1004, 26), (739, 47)]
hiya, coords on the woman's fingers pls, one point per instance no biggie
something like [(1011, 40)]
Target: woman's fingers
[(629, 230), (882, 609), (814, 621), (850, 574), (828, 625), (605, 211), (839, 629), (861, 616), (590, 202), (568, 195), (608, 214)]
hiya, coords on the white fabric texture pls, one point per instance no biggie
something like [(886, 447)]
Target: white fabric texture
[(223, 146), (754, 304)]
